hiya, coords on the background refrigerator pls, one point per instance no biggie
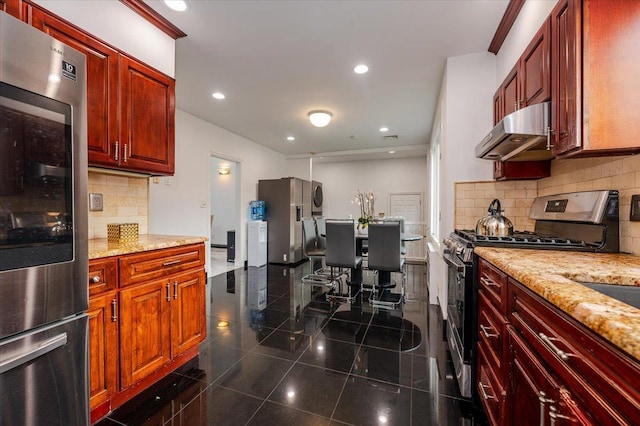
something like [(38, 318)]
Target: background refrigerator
[(287, 201)]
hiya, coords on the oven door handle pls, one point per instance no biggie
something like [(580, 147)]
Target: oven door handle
[(453, 261), (33, 352)]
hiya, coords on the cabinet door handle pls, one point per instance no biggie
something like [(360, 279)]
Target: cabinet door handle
[(549, 142), (486, 332), (114, 310), (175, 289), (548, 341), (171, 262), (485, 395), (116, 154), (125, 155), (542, 397), (168, 287), (553, 415), (488, 282), (95, 279)]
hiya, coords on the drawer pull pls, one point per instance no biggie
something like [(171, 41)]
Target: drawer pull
[(114, 310), (487, 282), (171, 262), (485, 395), (168, 287), (547, 340), (95, 279), (486, 333), (543, 401)]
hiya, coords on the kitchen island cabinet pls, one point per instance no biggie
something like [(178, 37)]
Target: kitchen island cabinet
[(147, 314), (569, 355), (595, 68), (130, 107)]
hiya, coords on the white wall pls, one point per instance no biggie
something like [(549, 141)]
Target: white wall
[(300, 168), (341, 179), (118, 25), (528, 22), (174, 209), (223, 200)]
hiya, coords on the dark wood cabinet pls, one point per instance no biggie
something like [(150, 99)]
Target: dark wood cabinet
[(528, 83), (103, 346), (12, 7), (537, 365), (130, 106), (147, 317), (596, 63)]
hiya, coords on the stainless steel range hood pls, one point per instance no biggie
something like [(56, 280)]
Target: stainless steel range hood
[(521, 135)]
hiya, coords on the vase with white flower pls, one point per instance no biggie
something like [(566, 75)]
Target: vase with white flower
[(366, 202)]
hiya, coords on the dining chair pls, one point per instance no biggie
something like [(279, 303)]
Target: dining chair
[(384, 258), (341, 253), (403, 247), (315, 251)]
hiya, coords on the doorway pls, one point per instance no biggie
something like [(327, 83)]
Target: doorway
[(224, 214)]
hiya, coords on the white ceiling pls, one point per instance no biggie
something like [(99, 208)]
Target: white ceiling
[(277, 60)]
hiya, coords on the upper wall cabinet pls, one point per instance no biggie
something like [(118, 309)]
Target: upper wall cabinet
[(595, 69), (130, 108), (529, 82), (12, 7)]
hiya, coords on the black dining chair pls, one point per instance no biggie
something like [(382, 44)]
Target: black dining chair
[(385, 257), (341, 253)]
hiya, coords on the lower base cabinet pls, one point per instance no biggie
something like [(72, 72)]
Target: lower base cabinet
[(553, 370), (150, 324)]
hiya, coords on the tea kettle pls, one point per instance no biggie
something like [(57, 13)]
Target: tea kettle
[(494, 224)]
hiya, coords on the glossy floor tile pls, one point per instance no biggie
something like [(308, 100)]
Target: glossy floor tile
[(277, 353)]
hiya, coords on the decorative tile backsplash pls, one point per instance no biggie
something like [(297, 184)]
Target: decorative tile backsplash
[(583, 174), (125, 199)]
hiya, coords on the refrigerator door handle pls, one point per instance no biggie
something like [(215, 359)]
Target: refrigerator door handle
[(33, 353)]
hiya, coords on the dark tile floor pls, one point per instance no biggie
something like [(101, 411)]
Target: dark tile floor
[(286, 356)]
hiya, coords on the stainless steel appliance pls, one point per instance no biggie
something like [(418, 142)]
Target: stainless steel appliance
[(578, 221), (287, 201), (524, 134), (43, 229), (317, 198)]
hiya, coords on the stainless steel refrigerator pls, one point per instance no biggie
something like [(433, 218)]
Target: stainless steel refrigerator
[(43, 229), (287, 201)]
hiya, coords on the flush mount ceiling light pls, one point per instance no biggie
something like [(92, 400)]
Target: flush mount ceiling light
[(361, 69), (218, 95), (320, 118), (177, 5)]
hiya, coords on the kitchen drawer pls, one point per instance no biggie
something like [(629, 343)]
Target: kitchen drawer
[(137, 268), (490, 391), (103, 275), (491, 331), (604, 378), (494, 281)]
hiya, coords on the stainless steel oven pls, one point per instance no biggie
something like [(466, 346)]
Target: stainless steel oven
[(578, 221), (43, 229)]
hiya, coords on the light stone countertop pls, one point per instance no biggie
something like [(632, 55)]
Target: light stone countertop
[(100, 247), (554, 275)]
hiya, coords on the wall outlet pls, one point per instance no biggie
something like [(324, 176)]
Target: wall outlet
[(95, 203), (635, 208)]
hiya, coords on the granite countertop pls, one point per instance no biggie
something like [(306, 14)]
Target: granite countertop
[(100, 247), (555, 275)]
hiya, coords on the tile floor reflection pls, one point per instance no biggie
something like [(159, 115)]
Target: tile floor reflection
[(286, 356)]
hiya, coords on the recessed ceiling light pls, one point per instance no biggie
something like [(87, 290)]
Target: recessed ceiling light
[(178, 5), (361, 69), (384, 129), (392, 152), (291, 138), (218, 95)]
